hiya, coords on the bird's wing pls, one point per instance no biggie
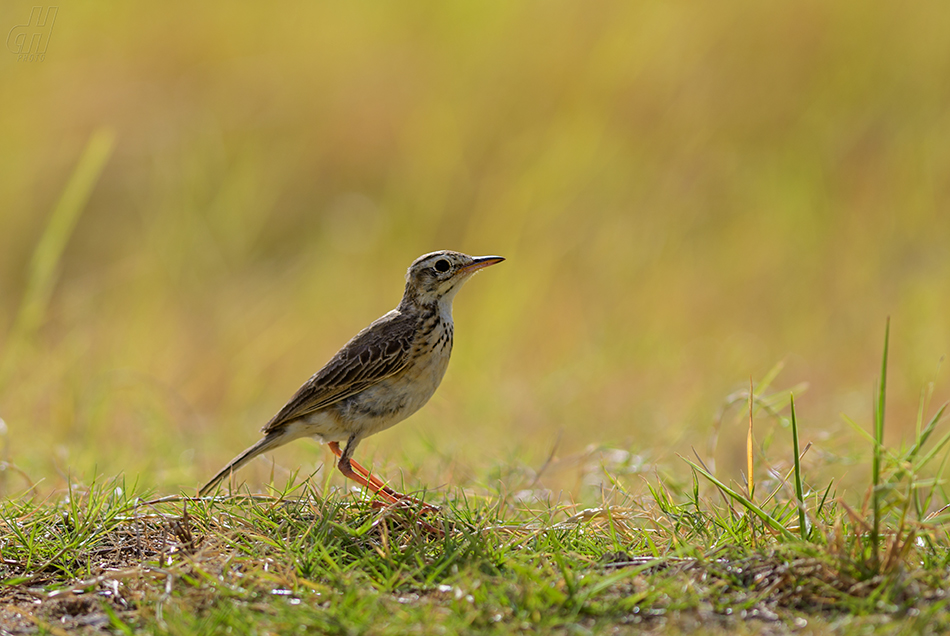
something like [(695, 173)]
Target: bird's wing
[(378, 352)]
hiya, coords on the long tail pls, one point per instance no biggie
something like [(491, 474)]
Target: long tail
[(271, 440)]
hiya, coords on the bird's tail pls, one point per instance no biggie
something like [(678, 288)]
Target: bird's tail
[(269, 441)]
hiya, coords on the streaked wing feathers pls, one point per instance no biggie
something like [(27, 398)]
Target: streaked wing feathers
[(378, 352)]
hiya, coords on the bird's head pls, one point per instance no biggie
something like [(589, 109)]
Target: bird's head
[(437, 277)]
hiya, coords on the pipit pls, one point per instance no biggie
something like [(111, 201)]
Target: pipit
[(383, 375)]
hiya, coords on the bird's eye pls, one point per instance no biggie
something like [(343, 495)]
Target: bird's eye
[(442, 265)]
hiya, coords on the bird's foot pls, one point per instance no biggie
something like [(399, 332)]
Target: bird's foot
[(411, 504)]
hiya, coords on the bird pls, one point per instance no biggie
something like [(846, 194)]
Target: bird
[(384, 374)]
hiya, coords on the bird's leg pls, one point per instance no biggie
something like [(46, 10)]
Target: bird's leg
[(363, 476), (353, 470)]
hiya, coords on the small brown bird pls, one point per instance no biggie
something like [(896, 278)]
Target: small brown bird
[(383, 375)]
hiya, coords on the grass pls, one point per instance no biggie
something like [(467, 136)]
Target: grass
[(684, 195), (46, 261), (311, 558)]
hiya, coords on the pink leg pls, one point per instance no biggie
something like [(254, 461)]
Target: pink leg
[(363, 477)]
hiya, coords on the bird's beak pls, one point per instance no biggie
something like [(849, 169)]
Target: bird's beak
[(479, 262)]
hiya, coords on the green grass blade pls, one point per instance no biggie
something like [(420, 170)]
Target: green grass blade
[(928, 457), (770, 376), (926, 433), (44, 264), (857, 428), (878, 452), (799, 488)]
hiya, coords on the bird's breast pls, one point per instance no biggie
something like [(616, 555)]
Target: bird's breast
[(402, 394)]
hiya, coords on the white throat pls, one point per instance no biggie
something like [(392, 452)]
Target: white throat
[(445, 307)]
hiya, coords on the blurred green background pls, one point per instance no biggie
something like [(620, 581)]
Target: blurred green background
[(686, 193)]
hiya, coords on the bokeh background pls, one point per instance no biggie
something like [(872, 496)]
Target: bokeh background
[(687, 194)]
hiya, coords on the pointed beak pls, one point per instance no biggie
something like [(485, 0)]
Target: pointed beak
[(479, 262)]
